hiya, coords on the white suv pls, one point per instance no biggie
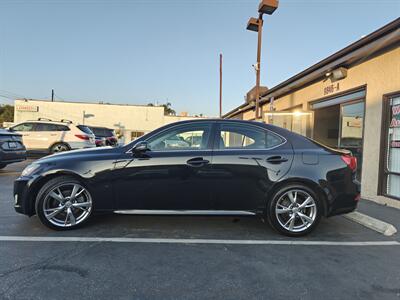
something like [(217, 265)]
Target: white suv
[(50, 136)]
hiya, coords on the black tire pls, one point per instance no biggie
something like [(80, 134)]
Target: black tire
[(2, 166), (59, 147), (44, 192), (277, 224)]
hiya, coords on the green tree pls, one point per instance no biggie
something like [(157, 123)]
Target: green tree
[(168, 109), (6, 113)]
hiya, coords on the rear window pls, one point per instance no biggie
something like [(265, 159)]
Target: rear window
[(85, 129), (103, 132)]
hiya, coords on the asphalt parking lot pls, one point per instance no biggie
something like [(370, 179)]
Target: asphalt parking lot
[(147, 257)]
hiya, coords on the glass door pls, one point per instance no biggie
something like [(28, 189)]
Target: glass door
[(351, 130)]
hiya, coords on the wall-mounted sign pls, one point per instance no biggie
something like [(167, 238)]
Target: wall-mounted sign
[(335, 87), (27, 108), (395, 121), (395, 144)]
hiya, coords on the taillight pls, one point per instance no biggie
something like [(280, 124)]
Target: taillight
[(350, 161), (82, 136)]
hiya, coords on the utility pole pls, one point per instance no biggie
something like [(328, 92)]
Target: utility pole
[(220, 85), (52, 95)]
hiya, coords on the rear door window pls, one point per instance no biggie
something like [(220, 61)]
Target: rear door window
[(239, 136), (45, 127)]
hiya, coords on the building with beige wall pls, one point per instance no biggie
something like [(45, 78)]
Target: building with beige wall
[(349, 100), (131, 120)]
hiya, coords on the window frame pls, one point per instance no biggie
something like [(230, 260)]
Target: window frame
[(217, 134), (176, 127), (383, 170)]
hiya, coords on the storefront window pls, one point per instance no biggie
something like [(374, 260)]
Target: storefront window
[(296, 121), (392, 158)]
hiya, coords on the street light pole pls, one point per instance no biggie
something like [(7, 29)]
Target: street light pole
[(266, 7), (220, 85), (258, 66)]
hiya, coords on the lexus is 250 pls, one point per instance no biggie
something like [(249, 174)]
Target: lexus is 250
[(224, 167)]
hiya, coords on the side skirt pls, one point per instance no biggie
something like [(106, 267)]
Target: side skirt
[(186, 212)]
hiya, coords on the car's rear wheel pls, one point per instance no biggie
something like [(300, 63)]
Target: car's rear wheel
[(64, 203), (294, 210), (59, 147), (2, 166)]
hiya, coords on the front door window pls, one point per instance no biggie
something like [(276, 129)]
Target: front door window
[(194, 137)]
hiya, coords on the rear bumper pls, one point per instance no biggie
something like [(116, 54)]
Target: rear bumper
[(8, 157), (346, 201)]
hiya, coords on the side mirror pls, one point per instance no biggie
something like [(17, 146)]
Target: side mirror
[(140, 148)]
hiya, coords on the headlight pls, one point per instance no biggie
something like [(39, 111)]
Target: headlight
[(30, 169)]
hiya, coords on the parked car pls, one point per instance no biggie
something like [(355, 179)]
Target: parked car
[(99, 141), (104, 136), (11, 148), (49, 136), (240, 167)]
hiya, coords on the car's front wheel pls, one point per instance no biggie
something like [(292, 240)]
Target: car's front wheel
[(294, 210), (63, 203)]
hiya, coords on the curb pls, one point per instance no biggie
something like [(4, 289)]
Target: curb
[(372, 223)]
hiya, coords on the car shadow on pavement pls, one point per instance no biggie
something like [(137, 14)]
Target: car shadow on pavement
[(196, 227)]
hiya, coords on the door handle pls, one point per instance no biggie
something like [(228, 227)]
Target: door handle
[(197, 162), (276, 159)]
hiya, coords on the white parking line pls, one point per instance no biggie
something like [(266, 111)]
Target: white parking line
[(192, 241)]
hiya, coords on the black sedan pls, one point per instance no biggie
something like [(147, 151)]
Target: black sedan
[(11, 148), (231, 167)]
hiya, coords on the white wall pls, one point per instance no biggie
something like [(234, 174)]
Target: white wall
[(129, 117)]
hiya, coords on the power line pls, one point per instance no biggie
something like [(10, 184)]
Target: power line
[(15, 95), (59, 97)]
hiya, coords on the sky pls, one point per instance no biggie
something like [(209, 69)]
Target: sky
[(141, 51)]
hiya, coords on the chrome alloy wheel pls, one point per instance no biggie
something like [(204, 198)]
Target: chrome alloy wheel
[(296, 210), (67, 204)]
